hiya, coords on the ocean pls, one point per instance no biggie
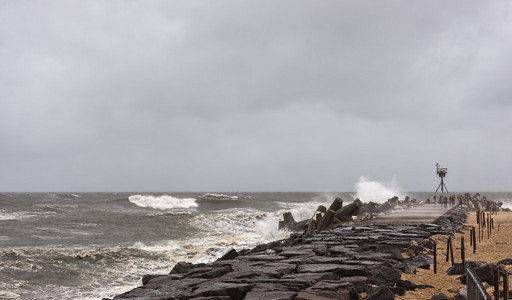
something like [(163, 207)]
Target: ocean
[(95, 245)]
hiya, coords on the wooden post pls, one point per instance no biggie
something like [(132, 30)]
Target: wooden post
[(471, 236), (463, 253), (435, 258), (474, 240), (479, 229), (478, 217), (448, 243), (505, 286), (483, 218), (497, 284), (451, 251), (488, 228), (488, 224)]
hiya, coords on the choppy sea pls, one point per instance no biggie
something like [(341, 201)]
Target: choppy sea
[(95, 245)]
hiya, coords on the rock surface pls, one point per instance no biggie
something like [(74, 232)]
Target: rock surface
[(339, 263)]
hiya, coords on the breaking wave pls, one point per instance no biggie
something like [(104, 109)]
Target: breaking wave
[(162, 202), (369, 190), (214, 196)]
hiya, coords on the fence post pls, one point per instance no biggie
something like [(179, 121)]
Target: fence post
[(474, 240), (497, 284), (463, 253), (451, 251), (505, 286), (435, 257), (448, 249)]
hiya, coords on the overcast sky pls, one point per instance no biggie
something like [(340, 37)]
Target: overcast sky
[(254, 95)]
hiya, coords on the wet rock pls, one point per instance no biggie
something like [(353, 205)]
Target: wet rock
[(233, 290), (340, 270), (311, 278), (181, 268), (329, 290), (298, 252), (231, 254), (146, 278), (213, 273)]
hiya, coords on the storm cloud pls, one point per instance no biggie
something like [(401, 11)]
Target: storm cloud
[(254, 96)]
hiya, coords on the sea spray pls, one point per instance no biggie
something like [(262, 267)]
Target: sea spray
[(369, 190)]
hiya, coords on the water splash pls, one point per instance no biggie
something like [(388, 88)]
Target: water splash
[(369, 190)]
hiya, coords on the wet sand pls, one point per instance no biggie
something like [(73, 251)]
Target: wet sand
[(493, 249)]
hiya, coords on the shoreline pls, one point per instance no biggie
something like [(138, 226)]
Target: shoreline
[(350, 260)]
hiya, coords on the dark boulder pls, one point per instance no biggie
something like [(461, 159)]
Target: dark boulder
[(456, 269), (421, 261), (405, 267), (146, 278), (382, 275), (440, 296), (485, 273), (409, 286), (329, 290), (383, 292), (182, 268), (231, 254), (270, 295), (507, 261), (359, 282), (233, 290)]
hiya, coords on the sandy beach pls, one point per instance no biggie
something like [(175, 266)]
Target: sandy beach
[(493, 249)]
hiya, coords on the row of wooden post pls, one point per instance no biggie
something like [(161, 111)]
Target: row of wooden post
[(481, 221)]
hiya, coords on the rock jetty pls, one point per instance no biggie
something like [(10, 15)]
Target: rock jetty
[(345, 260)]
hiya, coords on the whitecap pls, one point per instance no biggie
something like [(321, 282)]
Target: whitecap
[(221, 196), (162, 202)]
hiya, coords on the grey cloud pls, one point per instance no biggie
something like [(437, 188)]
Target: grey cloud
[(251, 96)]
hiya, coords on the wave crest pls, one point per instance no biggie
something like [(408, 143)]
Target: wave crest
[(214, 196), (162, 202)]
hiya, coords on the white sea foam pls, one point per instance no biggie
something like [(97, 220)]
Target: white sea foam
[(369, 190), (21, 215), (507, 205), (222, 196), (162, 202)]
